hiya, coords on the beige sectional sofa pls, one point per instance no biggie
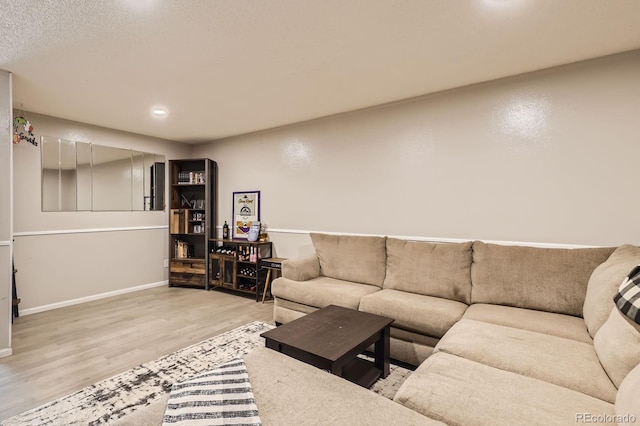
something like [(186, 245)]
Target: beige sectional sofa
[(499, 334)]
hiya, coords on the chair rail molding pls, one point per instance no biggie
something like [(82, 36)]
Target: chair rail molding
[(89, 230)]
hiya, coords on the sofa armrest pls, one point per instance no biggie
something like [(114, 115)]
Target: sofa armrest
[(301, 268)]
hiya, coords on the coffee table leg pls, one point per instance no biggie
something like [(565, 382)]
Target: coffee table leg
[(273, 345), (382, 352), (336, 370)]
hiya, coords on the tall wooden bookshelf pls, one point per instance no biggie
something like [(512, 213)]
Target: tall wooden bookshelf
[(192, 218)]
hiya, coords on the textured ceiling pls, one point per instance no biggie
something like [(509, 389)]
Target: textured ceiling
[(227, 67)]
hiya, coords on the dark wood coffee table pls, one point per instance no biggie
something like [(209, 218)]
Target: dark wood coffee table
[(332, 338)]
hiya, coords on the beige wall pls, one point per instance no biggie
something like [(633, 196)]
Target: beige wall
[(547, 157), (55, 269), (5, 212), (64, 256)]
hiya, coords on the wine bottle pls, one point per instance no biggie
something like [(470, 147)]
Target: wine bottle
[(225, 230)]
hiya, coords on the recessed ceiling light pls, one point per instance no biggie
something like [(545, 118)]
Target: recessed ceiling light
[(159, 112), (506, 4)]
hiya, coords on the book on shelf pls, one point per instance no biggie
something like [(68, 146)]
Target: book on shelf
[(191, 178), (183, 178), (197, 177), (183, 250)]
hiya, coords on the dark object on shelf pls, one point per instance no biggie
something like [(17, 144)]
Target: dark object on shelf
[(192, 211)]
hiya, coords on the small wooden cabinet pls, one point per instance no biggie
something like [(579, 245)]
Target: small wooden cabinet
[(187, 272), (222, 270), (191, 220), (235, 265)]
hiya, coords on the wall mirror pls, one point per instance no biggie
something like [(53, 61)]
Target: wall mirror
[(79, 176)]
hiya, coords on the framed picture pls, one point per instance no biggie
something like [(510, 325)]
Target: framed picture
[(246, 210)]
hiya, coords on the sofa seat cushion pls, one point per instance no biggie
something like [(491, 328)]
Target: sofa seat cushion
[(411, 336), (351, 257), (560, 325), (322, 291), (409, 352), (628, 397), (290, 392), (427, 315), (459, 391), (604, 283), (564, 362), (440, 270), (409, 347), (546, 279)]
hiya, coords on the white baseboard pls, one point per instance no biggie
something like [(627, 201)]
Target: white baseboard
[(5, 352), (71, 302)]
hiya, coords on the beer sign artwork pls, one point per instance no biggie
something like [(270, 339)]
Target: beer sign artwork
[(246, 210)]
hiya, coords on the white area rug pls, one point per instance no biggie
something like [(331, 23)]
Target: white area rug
[(120, 395)]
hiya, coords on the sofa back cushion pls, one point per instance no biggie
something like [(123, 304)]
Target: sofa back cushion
[(604, 283), (617, 344), (546, 279), (440, 270), (351, 258)]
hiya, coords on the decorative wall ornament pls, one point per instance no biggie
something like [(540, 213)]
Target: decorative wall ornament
[(23, 131), (246, 210)]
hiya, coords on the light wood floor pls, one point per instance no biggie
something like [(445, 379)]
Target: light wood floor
[(60, 351)]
